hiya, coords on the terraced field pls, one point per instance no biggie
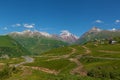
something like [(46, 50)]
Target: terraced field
[(103, 61), (87, 62)]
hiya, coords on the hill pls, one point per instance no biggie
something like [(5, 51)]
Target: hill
[(37, 43), (94, 60), (98, 34), (88, 62), (10, 47)]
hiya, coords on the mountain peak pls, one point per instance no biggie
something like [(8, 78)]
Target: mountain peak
[(67, 36), (45, 34), (65, 33), (29, 33), (95, 29), (64, 36)]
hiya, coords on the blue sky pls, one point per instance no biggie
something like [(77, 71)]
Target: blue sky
[(53, 16)]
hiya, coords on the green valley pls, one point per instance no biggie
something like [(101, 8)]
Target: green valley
[(37, 45), (77, 62), (11, 48), (28, 57), (59, 40)]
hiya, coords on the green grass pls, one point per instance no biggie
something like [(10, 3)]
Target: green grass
[(104, 69), (95, 50), (38, 75), (97, 68), (12, 48), (37, 45), (59, 64), (101, 67), (58, 51), (7, 72), (12, 60), (79, 50), (6, 41)]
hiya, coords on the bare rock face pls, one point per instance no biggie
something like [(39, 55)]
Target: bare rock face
[(68, 37)]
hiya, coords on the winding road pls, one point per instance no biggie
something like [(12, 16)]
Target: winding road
[(27, 60), (78, 70)]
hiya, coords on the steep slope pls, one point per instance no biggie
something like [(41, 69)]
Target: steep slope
[(87, 62), (98, 34), (37, 42), (101, 62), (10, 47), (68, 37)]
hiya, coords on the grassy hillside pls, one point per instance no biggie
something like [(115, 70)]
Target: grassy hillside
[(92, 36), (37, 45), (103, 61), (99, 61), (88, 62), (10, 47)]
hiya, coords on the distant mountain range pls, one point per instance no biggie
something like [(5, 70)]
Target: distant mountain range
[(98, 34), (35, 42), (65, 36)]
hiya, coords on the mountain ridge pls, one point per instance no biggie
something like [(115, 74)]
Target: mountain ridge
[(65, 35), (98, 34)]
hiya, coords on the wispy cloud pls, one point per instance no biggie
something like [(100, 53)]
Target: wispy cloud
[(29, 25), (98, 21), (5, 28), (26, 25), (16, 25), (117, 21), (113, 29)]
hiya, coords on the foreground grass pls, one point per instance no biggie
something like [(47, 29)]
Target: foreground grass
[(58, 51), (29, 74), (52, 64), (97, 68), (104, 64), (11, 60)]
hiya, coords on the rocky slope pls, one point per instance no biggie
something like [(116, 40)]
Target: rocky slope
[(98, 34)]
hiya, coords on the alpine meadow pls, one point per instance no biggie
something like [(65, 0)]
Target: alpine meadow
[(59, 40)]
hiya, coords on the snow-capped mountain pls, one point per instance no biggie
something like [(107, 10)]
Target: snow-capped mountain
[(65, 35), (36, 42), (29, 33), (68, 37)]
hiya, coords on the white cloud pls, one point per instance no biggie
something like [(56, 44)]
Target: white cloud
[(117, 21), (5, 28), (113, 29), (26, 25), (17, 25), (99, 21), (29, 25)]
